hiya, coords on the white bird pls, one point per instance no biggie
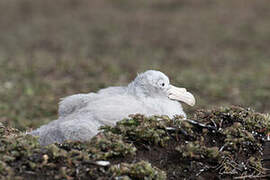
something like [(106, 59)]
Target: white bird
[(81, 115)]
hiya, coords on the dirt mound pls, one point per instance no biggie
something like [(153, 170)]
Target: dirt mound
[(221, 143)]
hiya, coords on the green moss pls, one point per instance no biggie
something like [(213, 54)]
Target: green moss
[(142, 130), (251, 120), (229, 138), (226, 142), (140, 170), (197, 151), (22, 153)]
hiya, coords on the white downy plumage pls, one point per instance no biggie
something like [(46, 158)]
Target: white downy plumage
[(81, 115)]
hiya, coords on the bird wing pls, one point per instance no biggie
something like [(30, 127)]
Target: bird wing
[(70, 104), (73, 103), (111, 109)]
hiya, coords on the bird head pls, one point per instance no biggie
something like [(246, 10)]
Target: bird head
[(156, 84)]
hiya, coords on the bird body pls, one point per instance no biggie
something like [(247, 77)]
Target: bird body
[(75, 102), (81, 115)]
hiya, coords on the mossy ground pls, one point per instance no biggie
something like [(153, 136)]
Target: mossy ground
[(221, 143), (217, 49)]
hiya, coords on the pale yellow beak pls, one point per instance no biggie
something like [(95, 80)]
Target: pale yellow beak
[(181, 94)]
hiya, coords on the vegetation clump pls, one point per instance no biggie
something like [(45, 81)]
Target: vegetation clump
[(140, 170), (143, 131), (221, 143), (21, 155), (228, 141)]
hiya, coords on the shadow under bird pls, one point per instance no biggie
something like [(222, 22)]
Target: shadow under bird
[(81, 115)]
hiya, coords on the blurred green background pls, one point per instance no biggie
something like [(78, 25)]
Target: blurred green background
[(219, 50)]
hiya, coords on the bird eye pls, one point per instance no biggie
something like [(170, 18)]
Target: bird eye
[(161, 83)]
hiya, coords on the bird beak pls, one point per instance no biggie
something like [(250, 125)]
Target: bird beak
[(181, 94)]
